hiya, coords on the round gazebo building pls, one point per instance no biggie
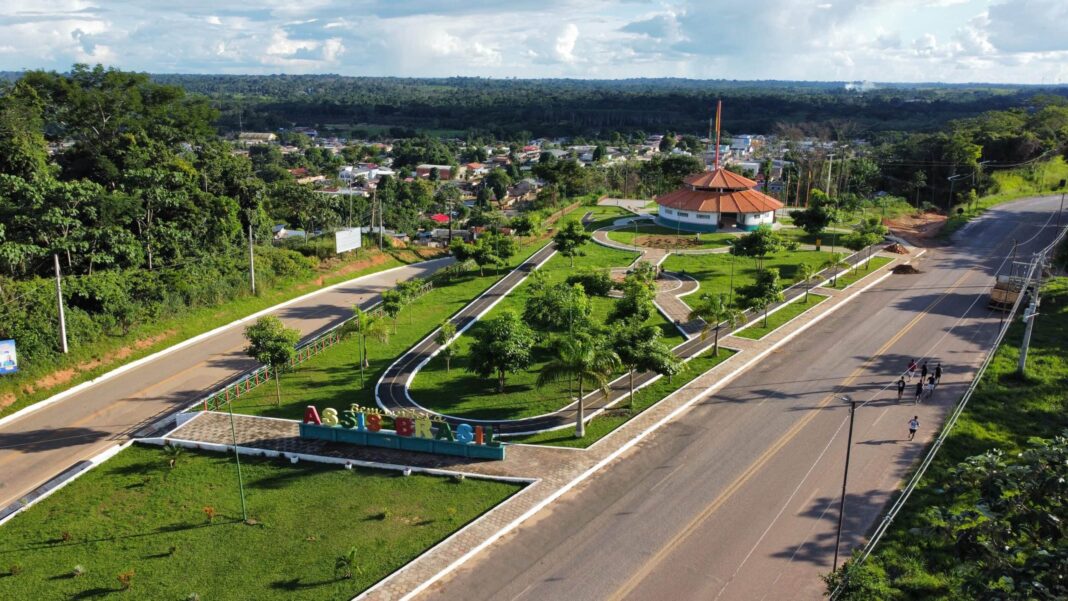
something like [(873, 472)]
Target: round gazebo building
[(716, 200)]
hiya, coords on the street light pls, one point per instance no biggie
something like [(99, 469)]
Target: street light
[(952, 181), (845, 476)]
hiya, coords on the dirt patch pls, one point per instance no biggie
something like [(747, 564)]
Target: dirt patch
[(896, 248), (906, 269), (917, 228), (662, 241), (6, 399), (62, 376)]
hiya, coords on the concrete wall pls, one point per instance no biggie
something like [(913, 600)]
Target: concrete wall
[(750, 221), (687, 220)]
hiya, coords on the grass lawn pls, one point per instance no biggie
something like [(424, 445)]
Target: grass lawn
[(713, 271), (658, 236), (1004, 413), (333, 378), (134, 514), (601, 215), (778, 318), (603, 424), (846, 278), (107, 353), (463, 394)]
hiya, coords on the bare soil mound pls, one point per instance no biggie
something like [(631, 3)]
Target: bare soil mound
[(906, 269), (917, 227), (896, 248)]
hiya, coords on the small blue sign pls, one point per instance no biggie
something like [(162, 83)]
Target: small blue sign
[(9, 362)]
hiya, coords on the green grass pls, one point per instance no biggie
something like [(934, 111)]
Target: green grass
[(460, 393), (104, 354), (603, 424), (1010, 185), (780, 317), (713, 271), (686, 240), (332, 378), (847, 278), (133, 513), (1004, 413)]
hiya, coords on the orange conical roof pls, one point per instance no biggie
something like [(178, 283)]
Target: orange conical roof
[(720, 179)]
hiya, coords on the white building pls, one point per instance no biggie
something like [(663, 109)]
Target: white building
[(716, 200)]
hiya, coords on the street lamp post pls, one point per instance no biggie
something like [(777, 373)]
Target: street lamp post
[(845, 476)]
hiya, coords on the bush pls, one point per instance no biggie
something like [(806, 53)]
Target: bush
[(595, 283)]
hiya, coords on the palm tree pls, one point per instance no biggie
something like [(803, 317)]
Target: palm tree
[(805, 274), (714, 310), (835, 261), (366, 325), (584, 359)]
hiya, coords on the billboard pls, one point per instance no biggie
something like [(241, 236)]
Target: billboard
[(9, 362), (347, 239)]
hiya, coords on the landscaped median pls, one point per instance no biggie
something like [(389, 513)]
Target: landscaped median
[(863, 269), (604, 423), (162, 532), (333, 377), (781, 315)]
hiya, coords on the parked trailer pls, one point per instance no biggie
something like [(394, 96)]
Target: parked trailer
[(1005, 292)]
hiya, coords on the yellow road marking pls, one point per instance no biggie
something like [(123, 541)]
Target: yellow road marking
[(766, 456)]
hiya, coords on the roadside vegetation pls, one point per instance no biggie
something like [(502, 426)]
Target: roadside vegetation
[(1040, 178), (140, 528), (605, 423), (781, 316), (989, 518)]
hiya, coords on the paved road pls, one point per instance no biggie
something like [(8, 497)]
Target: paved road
[(41, 444), (738, 498)]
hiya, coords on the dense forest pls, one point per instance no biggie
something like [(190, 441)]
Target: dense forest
[(523, 108)]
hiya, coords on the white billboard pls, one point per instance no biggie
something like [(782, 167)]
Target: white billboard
[(9, 362), (347, 239)]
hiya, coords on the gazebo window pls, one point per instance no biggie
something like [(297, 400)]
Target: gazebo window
[(704, 216), (681, 214)]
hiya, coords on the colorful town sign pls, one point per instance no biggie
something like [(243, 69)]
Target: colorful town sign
[(9, 362), (413, 431)]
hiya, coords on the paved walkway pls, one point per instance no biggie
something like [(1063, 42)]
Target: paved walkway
[(553, 470)]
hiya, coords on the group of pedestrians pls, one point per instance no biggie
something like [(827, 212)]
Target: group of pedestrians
[(924, 388)]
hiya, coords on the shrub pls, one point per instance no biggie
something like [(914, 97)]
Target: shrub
[(209, 511), (126, 579), (595, 283)]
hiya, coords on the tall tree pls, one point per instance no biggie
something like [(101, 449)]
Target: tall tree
[(585, 359), (765, 291), (501, 346), (641, 349), (446, 332), (570, 238), (714, 309), (272, 344), (365, 324)]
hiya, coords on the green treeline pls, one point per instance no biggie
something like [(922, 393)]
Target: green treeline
[(522, 108)]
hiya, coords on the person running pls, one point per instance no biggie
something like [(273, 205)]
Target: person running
[(929, 389), (911, 369), (938, 373), (919, 392), (923, 371), (900, 388), (914, 424)]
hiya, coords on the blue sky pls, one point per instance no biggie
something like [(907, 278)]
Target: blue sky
[(1024, 41)]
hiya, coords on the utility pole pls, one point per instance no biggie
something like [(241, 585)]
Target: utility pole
[(830, 167), (1030, 313), (59, 303), (251, 260), (845, 476)]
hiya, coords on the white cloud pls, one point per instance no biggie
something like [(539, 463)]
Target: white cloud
[(564, 49), (850, 40)]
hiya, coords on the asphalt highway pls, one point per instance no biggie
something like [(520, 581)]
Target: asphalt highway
[(738, 497), (41, 444)]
